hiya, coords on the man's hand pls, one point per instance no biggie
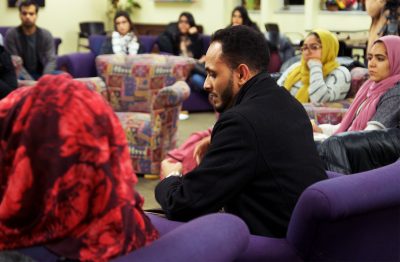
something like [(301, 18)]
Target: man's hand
[(201, 148), (193, 30), (315, 127), (167, 167), (313, 60)]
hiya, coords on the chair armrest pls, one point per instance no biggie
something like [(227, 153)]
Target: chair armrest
[(217, 237), (96, 84), (78, 64), (352, 152), (171, 96)]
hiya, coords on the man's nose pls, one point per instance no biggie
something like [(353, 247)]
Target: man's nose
[(207, 85)]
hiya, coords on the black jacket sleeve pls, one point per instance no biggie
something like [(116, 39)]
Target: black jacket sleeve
[(353, 152), (8, 78), (167, 40), (230, 164)]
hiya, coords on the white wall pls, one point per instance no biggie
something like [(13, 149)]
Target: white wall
[(208, 13), (62, 17)]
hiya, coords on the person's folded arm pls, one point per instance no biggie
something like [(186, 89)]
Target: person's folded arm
[(334, 87)]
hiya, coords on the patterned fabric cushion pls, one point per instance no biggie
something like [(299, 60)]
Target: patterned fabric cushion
[(147, 95), (327, 113), (150, 137), (93, 83), (97, 84), (170, 96), (332, 112), (134, 81), (358, 76)]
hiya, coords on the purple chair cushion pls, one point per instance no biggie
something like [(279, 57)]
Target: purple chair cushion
[(215, 237)]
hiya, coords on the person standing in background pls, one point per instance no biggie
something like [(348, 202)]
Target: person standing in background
[(375, 9)]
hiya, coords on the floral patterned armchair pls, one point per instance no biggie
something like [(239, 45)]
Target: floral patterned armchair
[(146, 94)]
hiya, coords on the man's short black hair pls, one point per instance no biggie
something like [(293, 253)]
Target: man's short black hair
[(25, 3), (243, 45)]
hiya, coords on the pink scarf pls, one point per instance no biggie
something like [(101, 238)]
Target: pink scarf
[(371, 91)]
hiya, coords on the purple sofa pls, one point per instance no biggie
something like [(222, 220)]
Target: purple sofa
[(216, 237), (344, 218)]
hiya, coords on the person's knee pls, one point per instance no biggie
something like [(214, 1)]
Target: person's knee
[(197, 82)]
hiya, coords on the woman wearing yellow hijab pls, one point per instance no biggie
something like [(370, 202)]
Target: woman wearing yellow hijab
[(318, 77)]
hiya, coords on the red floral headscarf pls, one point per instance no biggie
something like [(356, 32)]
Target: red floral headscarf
[(65, 174)]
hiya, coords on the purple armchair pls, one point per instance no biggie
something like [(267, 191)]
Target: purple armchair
[(345, 218), (216, 237)]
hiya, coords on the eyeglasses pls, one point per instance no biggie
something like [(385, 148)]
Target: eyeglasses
[(312, 47)]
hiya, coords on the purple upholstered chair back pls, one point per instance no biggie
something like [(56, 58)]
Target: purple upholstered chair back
[(4, 29), (206, 42), (148, 42), (352, 218), (95, 43)]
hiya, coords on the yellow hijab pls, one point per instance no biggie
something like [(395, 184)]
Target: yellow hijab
[(330, 49)]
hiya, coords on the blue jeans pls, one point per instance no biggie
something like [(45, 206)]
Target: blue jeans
[(197, 82)]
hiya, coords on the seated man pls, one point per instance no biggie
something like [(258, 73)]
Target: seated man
[(261, 155), (33, 44)]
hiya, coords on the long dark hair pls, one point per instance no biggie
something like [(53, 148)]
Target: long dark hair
[(126, 15), (244, 14), (189, 17)]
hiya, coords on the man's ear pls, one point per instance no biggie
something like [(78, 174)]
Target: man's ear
[(244, 74)]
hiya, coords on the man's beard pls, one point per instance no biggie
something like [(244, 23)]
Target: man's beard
[(227, 97), (28, 25)]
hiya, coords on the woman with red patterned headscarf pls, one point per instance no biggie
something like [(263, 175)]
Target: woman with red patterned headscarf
[(67, 181)]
